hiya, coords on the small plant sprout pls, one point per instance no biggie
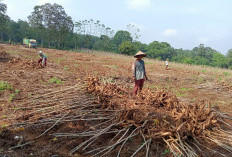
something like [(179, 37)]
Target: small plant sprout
[(55, 80)]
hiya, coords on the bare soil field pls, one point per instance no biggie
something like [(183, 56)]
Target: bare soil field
[(81, 105)]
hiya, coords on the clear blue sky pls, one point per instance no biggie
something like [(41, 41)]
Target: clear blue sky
[(182, 23)]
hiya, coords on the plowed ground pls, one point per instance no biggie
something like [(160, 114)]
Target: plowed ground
[(18, 67)]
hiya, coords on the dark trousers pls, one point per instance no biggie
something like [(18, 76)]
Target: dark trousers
[(45, 62), (138, 86)]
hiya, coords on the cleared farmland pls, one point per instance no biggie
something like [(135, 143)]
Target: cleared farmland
[(81, 105)]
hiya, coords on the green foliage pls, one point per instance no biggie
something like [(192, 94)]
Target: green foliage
[(66, 68), (55, 80), (140, 46), (127, 48), (52, 27), (166, 151), (17, 91), (219, 60), (121, 36), (226, 74), (161, 50), (12, 97), (5, 86), (203, 71)]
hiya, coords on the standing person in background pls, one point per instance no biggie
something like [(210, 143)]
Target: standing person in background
[(43, 59), (166, 63), (139, 72)]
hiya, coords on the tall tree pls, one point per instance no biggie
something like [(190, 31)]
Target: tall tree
[(134, 31), (122, 36), (3, 18), (52, 21), (229, 56)]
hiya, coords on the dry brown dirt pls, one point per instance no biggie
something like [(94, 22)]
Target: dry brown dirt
[(36, 101)]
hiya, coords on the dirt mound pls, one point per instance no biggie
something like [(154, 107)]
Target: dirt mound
[(27, 64), (160, 116), (4, 56)]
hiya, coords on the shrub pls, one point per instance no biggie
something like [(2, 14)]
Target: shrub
[(5, 86)]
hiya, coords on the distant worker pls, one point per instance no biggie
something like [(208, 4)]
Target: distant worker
[(166, 63), (43, 59), (10, 41), (139, 72)]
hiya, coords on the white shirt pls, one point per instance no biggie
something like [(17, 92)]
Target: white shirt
[(166, 62)]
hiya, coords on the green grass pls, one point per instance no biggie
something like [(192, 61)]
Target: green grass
[(11, 52), (29, 94), (59, 60), (5, 86), (186, 89), (226, 74), (66, 68), (55, 80), (200, 80), (203, 71), (17, 108), (12, 97), (17, 91), (4, 116), (41, 81), (166, 151)]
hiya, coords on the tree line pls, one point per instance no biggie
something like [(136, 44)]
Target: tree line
[(53, 28)]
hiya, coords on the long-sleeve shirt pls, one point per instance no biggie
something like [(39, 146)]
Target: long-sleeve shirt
[(43, 57), (138, 69)]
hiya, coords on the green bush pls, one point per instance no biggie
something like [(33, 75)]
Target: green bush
[(127, 47), (5, 86)]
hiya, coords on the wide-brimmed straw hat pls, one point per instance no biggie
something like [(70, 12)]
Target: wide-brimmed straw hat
[(140, 53)]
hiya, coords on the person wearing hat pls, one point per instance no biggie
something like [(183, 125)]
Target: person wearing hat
[(139, 72), (166, 63), (43, 59)]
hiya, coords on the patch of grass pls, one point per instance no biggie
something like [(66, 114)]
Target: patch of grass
[(200, 80), (153, 86), (41, 81), (226, 74), (29, 94), (55, 80), (17, 91), (219, 79), (11, 52), (166, 151), (147, 63), (17, 108), (4, 116), (12, 97), (5, 86), (186, 89), (59, 60), (75, 65), (66, 68), (203, 71)]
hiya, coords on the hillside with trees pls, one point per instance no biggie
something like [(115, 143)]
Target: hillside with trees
[(50, 25)]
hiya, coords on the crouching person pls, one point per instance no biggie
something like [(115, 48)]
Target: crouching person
[(139, 72), (43, 59)]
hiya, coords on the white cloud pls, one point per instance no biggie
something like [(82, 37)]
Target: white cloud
[(41, 2), (203, 40), (170, 32), (138, 4)]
